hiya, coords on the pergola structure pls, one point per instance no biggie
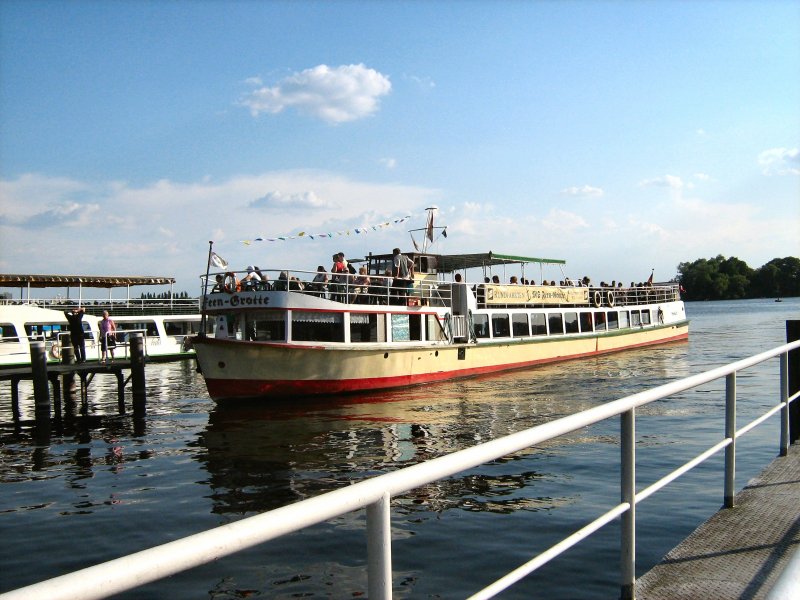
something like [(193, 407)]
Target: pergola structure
[(26, 282)]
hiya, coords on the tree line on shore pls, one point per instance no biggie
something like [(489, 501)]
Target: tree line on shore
[(723, 278)]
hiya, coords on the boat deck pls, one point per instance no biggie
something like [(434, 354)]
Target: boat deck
[(741, 551)]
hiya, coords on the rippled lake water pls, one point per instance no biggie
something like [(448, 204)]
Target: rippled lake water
[(105, 485)]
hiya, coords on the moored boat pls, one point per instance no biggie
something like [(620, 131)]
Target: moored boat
[(294, 336), (166, 325)]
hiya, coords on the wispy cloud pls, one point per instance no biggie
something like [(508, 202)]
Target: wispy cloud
[(299, 201), (780, 161), (667, 181), (584, 191), (389, 163), (335, 95)]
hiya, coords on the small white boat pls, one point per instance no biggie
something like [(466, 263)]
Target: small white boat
[(294, 337), (166, 335)]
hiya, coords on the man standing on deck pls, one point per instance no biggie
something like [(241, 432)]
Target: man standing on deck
[(75, 318)]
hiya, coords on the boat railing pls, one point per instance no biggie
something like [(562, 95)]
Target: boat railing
[(349, 288), (376, 493), (117, 307), (346, 288)]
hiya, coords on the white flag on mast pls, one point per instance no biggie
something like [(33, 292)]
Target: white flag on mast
[(218, 261)]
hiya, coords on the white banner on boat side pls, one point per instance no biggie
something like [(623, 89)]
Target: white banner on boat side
[(534, 294)]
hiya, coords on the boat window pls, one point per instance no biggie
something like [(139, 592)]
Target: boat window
[(571, 322), (310, 326), (635, 318), (406, 328), (623, 319), (481, 324), (42, 332), (613, 319), (8, 332), (435, 331), (645, 317), (519, 325), (587, 322), (500, 326), (367, 327), (538, 324), (556, 323), (181, 327), (148, 327), (599, 321)]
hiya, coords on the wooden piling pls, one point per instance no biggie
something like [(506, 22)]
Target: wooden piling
[(41, 385), (137, 375), (793, 334)]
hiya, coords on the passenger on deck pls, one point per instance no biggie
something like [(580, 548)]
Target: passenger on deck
[(251, 280), (403, 275), (282, 285), (264, 283), (361, 283), (379, 288), (513, 280), (495, 279), (339, 279), (319, 285), (458, 278), (220, 285)]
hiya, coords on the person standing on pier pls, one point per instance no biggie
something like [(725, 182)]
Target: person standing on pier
[(108, 340), (75, 319)]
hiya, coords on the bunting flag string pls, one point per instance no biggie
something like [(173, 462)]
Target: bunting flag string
[(314, 236)]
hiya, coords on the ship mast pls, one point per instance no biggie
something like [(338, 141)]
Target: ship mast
[(429, 231)]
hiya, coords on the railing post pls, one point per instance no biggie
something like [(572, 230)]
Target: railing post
[(628, 495), (730, 433), (379, 549), (792, 335), (784, 375)]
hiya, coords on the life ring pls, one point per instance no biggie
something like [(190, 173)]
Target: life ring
[(229, 283), (55, 351), (596, 298), (610, 299)]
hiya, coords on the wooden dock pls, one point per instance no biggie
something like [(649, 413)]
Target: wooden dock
[(57, 381), (740, 552)]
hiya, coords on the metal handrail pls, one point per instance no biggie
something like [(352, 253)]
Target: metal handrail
[(374, 494)]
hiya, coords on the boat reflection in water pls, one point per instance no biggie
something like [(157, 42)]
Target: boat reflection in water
[(263, 457)]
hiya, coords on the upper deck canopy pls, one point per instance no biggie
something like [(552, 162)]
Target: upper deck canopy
[(90, 281), (454, 262)]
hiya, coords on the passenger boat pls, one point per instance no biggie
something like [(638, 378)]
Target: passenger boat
[(290, 336), (166, 335)]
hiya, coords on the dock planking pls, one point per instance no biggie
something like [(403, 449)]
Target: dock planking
[(740, 552)]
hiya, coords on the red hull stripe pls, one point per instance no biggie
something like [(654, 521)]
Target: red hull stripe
[(251, 388)]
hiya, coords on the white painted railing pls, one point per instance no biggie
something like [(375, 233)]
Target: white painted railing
[(375, 495)]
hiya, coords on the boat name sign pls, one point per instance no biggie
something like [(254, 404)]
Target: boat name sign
[(236, 300), (539, 294)]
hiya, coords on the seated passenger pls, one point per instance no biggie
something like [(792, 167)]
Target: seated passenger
[(251, 280), (264, 283), (362, 286), (282, 285), (220, 285), (319, 285)]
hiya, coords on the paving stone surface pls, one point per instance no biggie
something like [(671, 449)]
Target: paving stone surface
[(739, 552)]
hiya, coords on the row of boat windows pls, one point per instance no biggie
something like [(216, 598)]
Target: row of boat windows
[(371, 327), (8, 332), (557, 323)]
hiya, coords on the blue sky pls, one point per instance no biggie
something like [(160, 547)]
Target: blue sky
[(619, 136)]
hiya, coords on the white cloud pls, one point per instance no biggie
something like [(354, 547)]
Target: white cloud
[(296, 201), (389, 163), (335, 95), (668, 181), (702, 177), (584, 191), (780, 161)]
